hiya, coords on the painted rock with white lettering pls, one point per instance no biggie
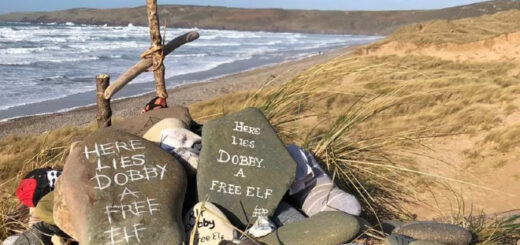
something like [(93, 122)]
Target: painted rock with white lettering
[(437, 232), (61, 214), (244, 168), (122, 189), (212, 226)]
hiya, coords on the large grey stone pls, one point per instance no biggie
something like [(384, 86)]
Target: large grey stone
[(325, 228), (122, 189), (244, 168), (437, 232)]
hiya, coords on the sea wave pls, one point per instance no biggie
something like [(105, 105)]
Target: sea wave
[(216, 44), (28, 50), (59, 59)]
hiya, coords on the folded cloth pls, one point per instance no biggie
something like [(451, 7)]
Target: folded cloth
[(286, 214), (262, 227), (183, 143), (304, 175), (39, 233), (154, 133), (322, 194), (10, 240), (44, 209), (33, 219)]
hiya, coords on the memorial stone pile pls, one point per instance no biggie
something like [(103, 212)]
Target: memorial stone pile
[(119, 188), (244, 167), (122, 189)]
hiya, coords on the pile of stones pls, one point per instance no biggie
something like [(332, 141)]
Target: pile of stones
[(154, 180)]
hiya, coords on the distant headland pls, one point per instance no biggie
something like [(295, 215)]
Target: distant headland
[(275, 20)]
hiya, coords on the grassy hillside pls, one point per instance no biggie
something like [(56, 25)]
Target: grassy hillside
[(350, 22), (411, 135), (465, 30)]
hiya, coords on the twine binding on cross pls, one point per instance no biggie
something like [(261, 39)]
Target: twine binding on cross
[(156, 52)]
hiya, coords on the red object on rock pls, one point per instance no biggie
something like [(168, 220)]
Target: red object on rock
[(25, 191), (154, 104)]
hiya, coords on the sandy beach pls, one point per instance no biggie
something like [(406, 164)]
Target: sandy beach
[(180, 95)]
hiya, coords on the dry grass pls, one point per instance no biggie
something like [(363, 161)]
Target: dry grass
[(427, 94), (19, 155), (492, 229), (506, 139), (456, 31), (365, 119)]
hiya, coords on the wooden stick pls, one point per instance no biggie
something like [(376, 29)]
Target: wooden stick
[(104, 113), (144, 64), (156, 41)]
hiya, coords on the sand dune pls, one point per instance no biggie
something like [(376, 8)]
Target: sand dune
[(504, 48)]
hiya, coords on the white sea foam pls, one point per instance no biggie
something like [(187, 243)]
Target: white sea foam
[(216, 44), (55, 60)]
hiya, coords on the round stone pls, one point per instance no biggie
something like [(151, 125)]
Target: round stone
[(437, 232), (325, 228)]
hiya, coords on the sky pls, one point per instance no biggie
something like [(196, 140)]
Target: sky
[(48, 5)]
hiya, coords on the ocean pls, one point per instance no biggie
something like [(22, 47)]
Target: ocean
[(45, 68)]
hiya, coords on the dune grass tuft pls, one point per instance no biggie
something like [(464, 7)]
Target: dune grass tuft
[(19, 155), (465, 30)]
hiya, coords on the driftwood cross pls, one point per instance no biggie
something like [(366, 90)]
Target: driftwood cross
[(156, 49), (153, 57)]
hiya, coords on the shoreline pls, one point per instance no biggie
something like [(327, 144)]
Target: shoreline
[(182, 94)]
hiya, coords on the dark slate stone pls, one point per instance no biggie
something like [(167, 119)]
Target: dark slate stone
[(364, 224), (396, 239), (122, 189), (244, 168), (286, 214), (390, 225), (425, 243), (325, 228), (437, 232)]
